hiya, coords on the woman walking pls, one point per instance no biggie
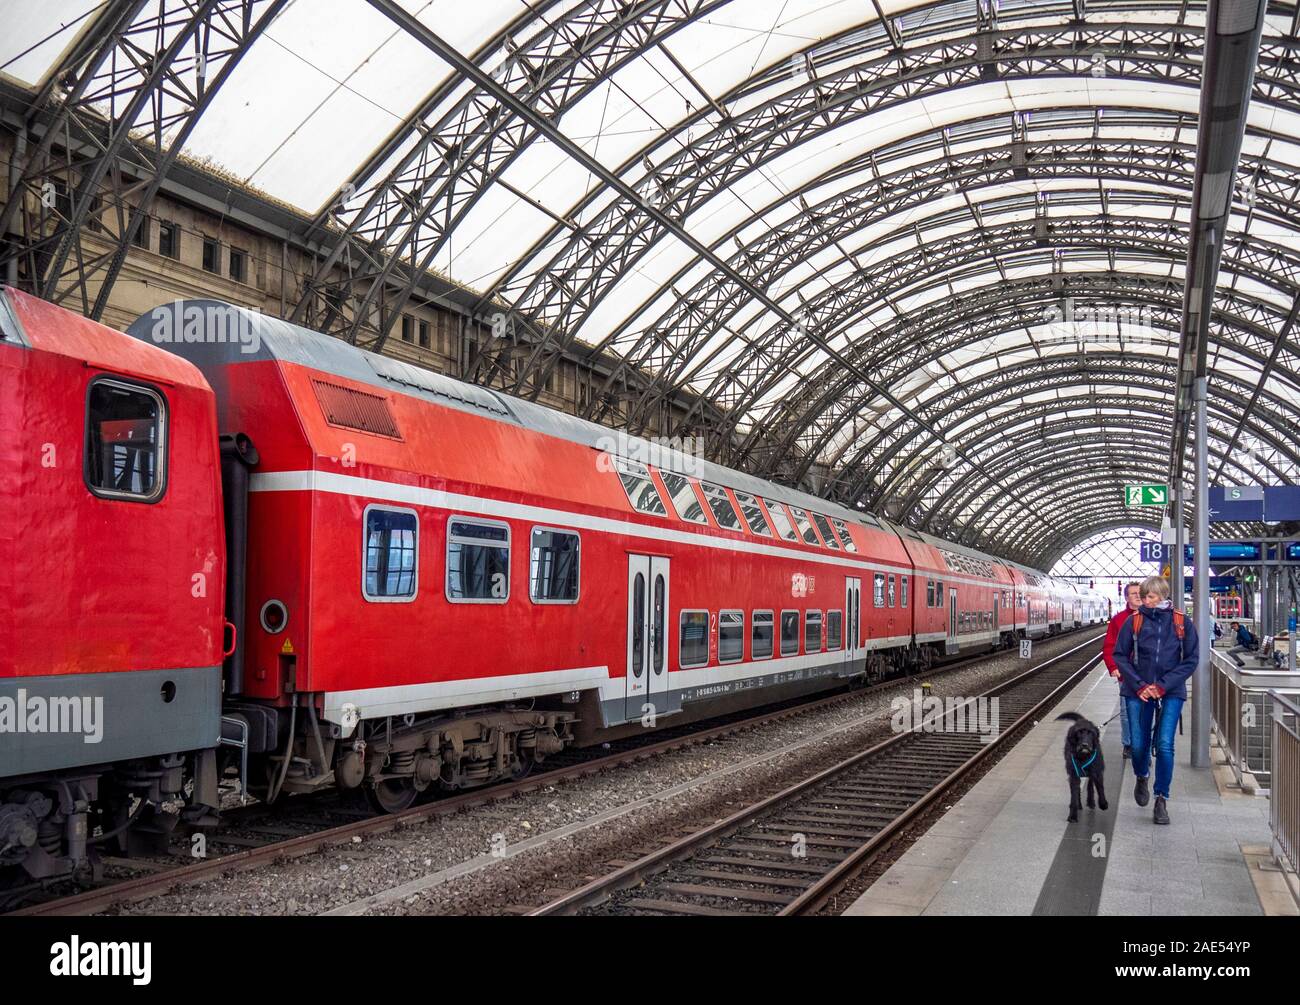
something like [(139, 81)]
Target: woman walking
[(1156, 652)]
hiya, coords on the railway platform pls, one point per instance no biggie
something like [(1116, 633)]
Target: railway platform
[(1006, 848)]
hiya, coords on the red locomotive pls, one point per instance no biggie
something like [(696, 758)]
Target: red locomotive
[(265, 552)]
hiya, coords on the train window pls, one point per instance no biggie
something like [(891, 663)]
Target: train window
[(892, 596), (693, 639), (753, 514), (938, 593), (789, 633), (903, 602), (878, 594), (641, 491), (780, 521), (685, 501), (638, 625), (805, 528), (842, 529), (834, 630), (929, 593), (824, 526), (553, 567), (659, 622), (812, 632), (760, 635), (478, 562), (392, 555), (723, 511), (126, 441), (731, 636)]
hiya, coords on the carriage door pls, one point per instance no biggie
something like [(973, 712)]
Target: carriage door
[(853, 623), (952, 621), (997, 607), (647, 634)]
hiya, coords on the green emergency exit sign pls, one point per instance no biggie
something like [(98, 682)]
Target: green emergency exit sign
[(1146, 495)]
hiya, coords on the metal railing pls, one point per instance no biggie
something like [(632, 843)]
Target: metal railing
[(1241, 706), (1284, 796)]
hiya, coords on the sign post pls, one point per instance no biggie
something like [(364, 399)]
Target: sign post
[(1026, 648)]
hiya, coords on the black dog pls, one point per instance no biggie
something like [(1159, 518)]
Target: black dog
[(1083, 760)]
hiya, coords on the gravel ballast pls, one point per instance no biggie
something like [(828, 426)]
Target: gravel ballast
[(502, 856)]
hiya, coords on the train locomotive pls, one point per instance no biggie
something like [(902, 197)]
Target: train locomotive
[(235, 548)]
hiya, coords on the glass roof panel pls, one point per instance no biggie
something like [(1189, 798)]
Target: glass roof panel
[(290, 95), (36, 35)]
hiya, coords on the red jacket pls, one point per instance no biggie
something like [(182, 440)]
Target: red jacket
[(1112, 636)]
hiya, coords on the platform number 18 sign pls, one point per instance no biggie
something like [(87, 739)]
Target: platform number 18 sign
[(1026, 648)]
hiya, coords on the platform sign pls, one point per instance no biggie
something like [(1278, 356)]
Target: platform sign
[(1151, 551), (1146, 495), (1026, 648), (1236, 503)]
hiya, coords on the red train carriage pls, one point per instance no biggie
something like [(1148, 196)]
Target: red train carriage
[(425, 582), (111, 568)]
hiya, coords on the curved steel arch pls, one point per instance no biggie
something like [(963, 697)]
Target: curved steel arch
[(810, 417), (1107, 368), (922, 339), (1004, 388), (460, 151), (622, 233), (773, 253), (140, 78), (1056, 464), (967, 505), (1139, 239)]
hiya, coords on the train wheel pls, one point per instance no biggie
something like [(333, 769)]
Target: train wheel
[(392, 795)]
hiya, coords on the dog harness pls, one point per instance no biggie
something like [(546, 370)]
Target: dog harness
[(1079, 769)]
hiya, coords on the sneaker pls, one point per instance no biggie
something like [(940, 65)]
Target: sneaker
[(1128, 752), (1160, 815), (1141, 795)]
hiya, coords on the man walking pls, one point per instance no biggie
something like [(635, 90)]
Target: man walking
[(1133, 597)]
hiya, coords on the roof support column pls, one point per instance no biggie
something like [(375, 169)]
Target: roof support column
[(1201, 582)]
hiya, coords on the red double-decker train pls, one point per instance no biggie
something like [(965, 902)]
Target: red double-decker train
[(233, 546)]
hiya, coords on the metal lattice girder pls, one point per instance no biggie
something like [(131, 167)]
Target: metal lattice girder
[(551, 58), (1007, 386), (567, 274), (621, 189), (768, 358), (1032, 464), (805, 421), (137, 84), (702, 311), (995, 400)]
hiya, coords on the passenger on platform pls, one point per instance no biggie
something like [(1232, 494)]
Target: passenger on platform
[(1246, 642), (1133, 596), (1156, 652)]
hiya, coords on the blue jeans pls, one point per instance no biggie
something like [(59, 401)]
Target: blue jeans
[(1125, 731), (1141, 715)]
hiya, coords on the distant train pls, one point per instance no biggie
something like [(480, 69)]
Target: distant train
[(235, 546)]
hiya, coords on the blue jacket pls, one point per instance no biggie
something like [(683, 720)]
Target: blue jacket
[(1162, 658), (1244, 638)]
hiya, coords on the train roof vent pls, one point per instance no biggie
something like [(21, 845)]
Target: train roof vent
[(353, 409), (441, 386)]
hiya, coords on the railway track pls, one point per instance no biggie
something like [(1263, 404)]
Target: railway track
[(263, 835), (792, 852)]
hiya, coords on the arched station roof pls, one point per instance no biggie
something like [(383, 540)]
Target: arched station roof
[(923, 258)]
